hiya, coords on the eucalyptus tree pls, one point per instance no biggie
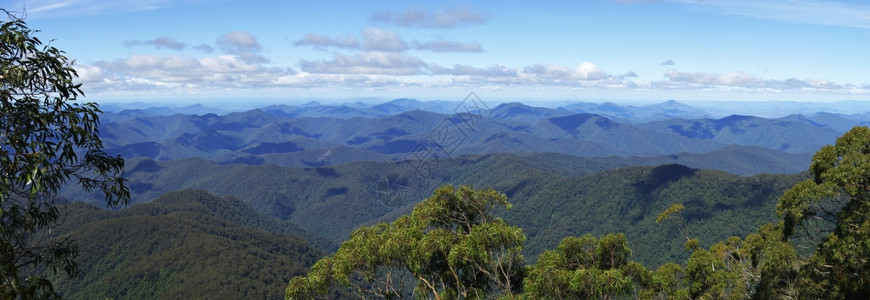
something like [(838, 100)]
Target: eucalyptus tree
[(47, 139), (834, 204), (449, 247)]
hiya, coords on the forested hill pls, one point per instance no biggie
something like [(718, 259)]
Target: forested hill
[(552, 197), (183, 245), (718, 205)]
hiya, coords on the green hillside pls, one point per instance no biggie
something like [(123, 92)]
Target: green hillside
[(718, 205), (554, 195), (183, 245)]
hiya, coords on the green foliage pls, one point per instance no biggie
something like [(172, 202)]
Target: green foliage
[(449, 247), (676, 208), (585, 268), (839, 194), (46, 140), (716, 205), (184, 245), (834, 204), (547, 205)]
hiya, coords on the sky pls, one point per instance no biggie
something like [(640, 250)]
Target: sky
[(711, 50)]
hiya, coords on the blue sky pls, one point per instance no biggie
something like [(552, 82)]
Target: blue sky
[(736, 50)]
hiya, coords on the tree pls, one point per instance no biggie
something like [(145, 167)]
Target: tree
[(449, 247), (762, 266), (47, 140), (586, 268), (839, 195), (830, 210)]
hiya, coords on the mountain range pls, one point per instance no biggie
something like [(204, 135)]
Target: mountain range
[(318, 135)]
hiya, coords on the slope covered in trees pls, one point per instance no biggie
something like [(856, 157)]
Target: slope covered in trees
[(48, 138), (552, 199), (717, 205), (183, 245)]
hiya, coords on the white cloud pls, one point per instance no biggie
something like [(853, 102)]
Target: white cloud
[(319, 41), (548, 71), (241, 67), (376, 39), (154, 62), (430, 18), (166, 42), (243, 45), (307, 80), (228, 64), (831, 13), (204, 48), (748, 81), (44, 7), (794, 83), (142, 71), (737, 79), (41, 9), (159, 43), (385, 40), (442, 45), (466, 70), (89, 74), (589, 71), (668, 62), (583, 71), (383, 63), (585, 74)]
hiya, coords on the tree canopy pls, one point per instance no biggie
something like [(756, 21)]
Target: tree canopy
[(449, 247), (47, 139), (834, 204)]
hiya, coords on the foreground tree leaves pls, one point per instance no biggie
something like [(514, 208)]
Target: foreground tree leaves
[(46, 140), (586, 268), (834, 204), (450, 247), (764, 265), (830, 212)]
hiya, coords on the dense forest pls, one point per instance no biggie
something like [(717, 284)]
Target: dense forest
[(551, 199), (187, 244), (451, 246)]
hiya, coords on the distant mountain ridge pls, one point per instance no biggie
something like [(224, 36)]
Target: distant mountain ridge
[(322, 135), (794, 134), (632, 113), (640, 114)]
